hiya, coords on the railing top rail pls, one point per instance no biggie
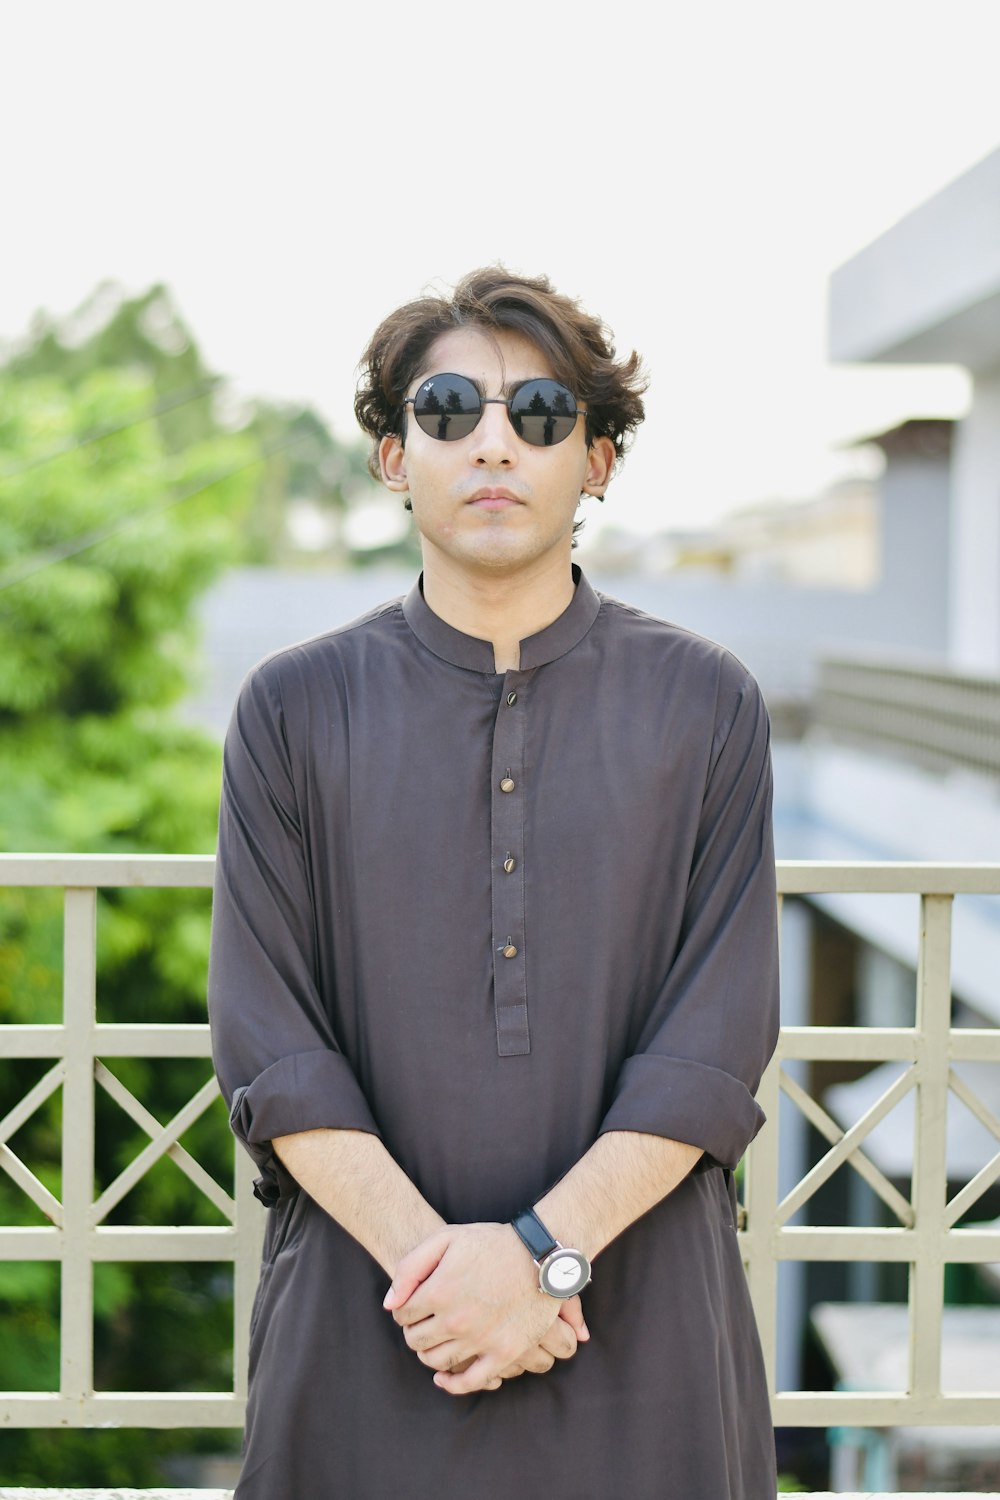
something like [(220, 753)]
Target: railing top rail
[(887, 661), (153, 870), (801, 877), (796, 877)]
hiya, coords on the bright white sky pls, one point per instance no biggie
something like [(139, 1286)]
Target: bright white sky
[(693, 172)]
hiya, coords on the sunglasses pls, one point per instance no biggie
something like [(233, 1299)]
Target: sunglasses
[(448, 407)]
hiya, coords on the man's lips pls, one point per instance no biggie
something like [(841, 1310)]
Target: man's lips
[(493, 500)]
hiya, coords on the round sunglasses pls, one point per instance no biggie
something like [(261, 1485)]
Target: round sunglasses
[(448, 407)]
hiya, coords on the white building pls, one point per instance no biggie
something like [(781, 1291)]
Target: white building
[(928, 292)]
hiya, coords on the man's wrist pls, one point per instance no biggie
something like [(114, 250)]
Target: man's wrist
[(406, 1240), (567, 1227), (563, 1269)]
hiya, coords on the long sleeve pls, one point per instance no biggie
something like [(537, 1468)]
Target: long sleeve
[(713, 1025), (275, 1052)]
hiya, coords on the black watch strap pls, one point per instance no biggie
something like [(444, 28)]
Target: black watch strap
[(530, 1229)]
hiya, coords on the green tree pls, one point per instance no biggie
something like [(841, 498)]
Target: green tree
[(105, 543), (190, 405)]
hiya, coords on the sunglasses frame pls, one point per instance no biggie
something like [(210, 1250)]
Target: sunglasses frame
[(577, 410)]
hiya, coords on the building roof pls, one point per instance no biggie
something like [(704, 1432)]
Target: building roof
[(917, 437), (928, 290)]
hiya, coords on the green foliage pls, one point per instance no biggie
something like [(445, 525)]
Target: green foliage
[(192, 408), (127, 1458), (100, 556), (145, 335), (104, 547)]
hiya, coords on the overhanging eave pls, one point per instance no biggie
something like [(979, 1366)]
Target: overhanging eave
[(928, 290)]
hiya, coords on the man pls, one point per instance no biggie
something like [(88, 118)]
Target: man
[(494, 974)]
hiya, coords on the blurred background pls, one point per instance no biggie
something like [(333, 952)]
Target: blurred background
[(792, 212)]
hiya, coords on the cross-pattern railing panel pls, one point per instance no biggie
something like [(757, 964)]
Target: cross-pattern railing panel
[(163, 1142), (924, 1237), (827, 1127), (78, 1238), (11, 1124), (844, 1149)]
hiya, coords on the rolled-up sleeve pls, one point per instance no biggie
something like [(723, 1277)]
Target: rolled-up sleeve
[(713, 1024), (276, 1056)]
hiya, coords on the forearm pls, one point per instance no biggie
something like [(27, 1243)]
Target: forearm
[(619, 1179), (351, 1175)]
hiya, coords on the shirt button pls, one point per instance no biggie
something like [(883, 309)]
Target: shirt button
[(511, 699), (507, 784), (510, 864), (510, 951)]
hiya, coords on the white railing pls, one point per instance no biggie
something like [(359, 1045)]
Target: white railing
[(924, 712), (924, 1236), (78, 1237)]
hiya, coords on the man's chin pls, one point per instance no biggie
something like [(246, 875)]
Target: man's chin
[(499, 551)]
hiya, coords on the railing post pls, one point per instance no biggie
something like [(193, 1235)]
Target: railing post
[(930, 1168), (76, 1327), (761, 1195), (248, 1219)]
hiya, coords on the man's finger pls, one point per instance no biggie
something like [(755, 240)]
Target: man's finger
[(537, 1362), (571, 1312), (560, 1341), (449, 1358), (413, 1269), (426, 1334), (410, 1313), (481, 1375)]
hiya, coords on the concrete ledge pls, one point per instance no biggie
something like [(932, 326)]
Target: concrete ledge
[(43, 1494)]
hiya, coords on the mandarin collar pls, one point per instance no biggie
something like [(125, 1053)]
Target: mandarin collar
[(476, 655)]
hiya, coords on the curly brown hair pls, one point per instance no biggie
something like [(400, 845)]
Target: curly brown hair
[(577, 346)]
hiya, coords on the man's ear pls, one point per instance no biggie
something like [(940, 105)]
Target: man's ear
[(392, 463), (600, 463)]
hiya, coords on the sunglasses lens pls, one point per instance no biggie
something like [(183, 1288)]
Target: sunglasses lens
[(543, 412), (447, 407)]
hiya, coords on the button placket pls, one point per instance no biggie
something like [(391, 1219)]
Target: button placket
[(507, 843)]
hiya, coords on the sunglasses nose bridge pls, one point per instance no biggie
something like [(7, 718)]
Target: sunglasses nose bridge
[(493, 435)]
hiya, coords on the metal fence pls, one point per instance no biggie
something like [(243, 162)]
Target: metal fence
[(924, 1236)]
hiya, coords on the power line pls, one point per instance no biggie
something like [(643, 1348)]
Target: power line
[(62, 551), (166, 403)]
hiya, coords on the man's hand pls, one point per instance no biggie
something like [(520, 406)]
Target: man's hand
[(470, 1293), (560, 1342)]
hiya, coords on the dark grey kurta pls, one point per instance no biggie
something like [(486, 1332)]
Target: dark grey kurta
[(359, 980)]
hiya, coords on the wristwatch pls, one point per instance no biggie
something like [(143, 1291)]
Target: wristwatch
[(562, 1272)]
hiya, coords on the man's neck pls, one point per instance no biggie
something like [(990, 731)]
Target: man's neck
[(501, 608)]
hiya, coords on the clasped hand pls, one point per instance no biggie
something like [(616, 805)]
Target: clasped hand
[(471, 1309)]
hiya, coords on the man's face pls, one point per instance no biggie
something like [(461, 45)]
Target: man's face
[(491, 502)]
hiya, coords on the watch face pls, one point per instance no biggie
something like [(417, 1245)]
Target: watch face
[(564, 1273)]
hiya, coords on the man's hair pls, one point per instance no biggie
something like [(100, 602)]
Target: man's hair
[(577, 346)]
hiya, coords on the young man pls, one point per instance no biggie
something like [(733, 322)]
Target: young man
[(494, 974)]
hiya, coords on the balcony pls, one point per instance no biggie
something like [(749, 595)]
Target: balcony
[(922, 1235), (929, 715)]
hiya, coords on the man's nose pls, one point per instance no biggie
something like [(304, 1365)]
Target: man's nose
[(494, 440)]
